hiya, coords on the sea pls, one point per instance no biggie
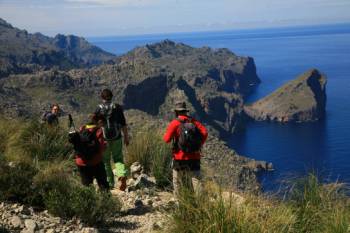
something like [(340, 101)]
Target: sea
[(281, 54)]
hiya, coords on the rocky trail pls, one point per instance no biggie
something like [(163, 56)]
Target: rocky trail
[(144, 209), (140, 213)]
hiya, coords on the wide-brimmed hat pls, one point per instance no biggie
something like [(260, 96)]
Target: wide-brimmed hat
[(180, 107)]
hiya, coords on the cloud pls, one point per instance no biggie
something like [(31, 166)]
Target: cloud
[(115, 3), (98, 17), (80, 3)]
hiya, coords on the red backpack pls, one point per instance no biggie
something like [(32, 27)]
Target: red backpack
[(85, 143)]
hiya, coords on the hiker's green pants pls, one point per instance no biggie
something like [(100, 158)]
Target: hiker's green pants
[(114, 151)]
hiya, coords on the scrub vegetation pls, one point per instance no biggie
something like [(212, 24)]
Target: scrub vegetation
[(37, 169), (42, 174)]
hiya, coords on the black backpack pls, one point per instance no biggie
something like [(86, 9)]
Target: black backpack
[(49, 118), (85, 143), (111, 129), (190, 139)]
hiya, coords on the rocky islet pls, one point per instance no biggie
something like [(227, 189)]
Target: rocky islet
[(300, 100)]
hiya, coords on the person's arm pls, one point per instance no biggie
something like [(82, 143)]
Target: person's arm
[(121, 120), (170, 132), (202, 130)]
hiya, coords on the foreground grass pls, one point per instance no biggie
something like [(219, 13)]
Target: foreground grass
[(311, 208), (37, 171)]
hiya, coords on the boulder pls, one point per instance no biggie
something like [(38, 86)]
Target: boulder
[(260, 165), (16, 222), (143, 181), (136, 170)]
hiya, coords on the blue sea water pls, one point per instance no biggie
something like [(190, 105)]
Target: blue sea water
[(280, 55)]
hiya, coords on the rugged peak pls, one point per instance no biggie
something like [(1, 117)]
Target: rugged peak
[(168, 47), (302, 99), (3, 23), (24, 52), (167, 42), (163, 48), (69, 41)]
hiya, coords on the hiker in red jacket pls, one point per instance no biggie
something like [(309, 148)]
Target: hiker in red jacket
[(188, 136), (89, 146)]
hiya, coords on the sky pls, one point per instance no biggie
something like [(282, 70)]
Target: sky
[(91, 18)]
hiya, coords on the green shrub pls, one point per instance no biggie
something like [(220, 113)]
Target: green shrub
[(148, 148), (55, 176), (64, 196), (94, 207), (41, 142), (86, 203), (16, 181)]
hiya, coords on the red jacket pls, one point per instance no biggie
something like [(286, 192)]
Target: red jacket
[(173, 132), (80, 161)]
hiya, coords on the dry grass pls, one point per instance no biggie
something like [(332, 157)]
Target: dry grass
[(311, 208), (148, 148)]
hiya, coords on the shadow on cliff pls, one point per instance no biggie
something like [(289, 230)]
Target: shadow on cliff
[(146, 96), (199, 112)]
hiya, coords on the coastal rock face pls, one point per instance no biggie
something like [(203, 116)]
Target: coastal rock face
[(149, 78), (23, 52), (300, 100)]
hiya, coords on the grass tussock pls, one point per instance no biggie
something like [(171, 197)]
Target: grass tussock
[(40, 142), (320, 208), (311, 208), (7, 128), (148, 148)]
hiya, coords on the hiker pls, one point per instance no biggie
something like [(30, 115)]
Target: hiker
[(114, 127), (188, 136), (51, 117), (89, 146)]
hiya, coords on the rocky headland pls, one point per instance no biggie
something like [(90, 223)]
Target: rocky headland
[(300, 100)]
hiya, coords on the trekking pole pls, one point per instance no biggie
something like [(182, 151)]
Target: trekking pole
[(71, 125)]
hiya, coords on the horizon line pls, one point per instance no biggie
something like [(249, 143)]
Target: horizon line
[(220, 30)]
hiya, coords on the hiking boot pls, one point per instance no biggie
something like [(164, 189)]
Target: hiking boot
[(122, 183)]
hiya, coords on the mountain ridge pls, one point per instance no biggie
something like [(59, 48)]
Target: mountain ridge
[(23, 52)]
